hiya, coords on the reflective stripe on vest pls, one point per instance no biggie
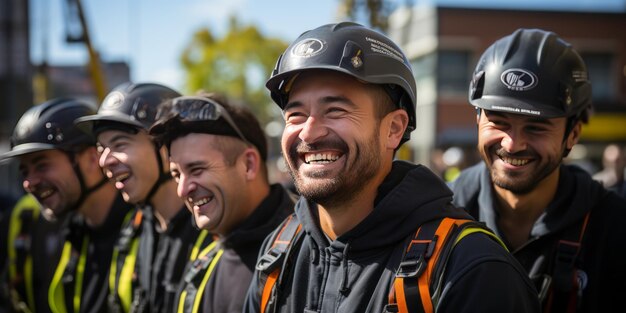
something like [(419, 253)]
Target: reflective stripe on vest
[(56, 293), (14, 239), (205, 260)]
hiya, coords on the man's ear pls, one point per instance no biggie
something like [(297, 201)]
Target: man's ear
[(88, 159), (574, 135), (252, 162), (165, 158), (88, 163), (398, 122)]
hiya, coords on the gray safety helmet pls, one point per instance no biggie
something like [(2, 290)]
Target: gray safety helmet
[(49, 126), (131, 105), (532, 72), (352, 49)]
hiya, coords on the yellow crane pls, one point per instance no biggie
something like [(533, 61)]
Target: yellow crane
[(75, 13)]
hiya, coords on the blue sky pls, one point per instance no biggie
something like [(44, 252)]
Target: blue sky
[(150, 34)]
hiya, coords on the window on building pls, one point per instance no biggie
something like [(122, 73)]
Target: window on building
[(601, 76), (453, 74)]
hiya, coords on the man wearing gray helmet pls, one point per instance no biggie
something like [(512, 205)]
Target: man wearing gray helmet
[(532, 95), (369, 234), (60, 168), (158, 240)]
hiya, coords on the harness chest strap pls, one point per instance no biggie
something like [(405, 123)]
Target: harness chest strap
[(201, 262), (565, 289), (416, 285), (71, 267), (125, 257), (419, 271), (19, 243), (272, 263)]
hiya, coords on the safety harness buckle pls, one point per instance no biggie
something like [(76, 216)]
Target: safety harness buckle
[(414, 262), (270, 260), (196, 267), (411, 268)]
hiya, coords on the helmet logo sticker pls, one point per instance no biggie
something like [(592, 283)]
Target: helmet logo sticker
[(518, 79), (308, 48), (113, 100)]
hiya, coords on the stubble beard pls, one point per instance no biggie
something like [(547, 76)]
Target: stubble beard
[(522, 183), (346, 185)]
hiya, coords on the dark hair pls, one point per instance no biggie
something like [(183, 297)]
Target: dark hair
[(170, 127), (383, 103)]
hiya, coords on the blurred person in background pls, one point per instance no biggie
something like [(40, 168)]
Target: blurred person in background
[(613, 167), (532, 95), (59, 165)]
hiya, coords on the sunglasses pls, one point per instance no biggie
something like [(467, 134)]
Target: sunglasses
[(197, 109)]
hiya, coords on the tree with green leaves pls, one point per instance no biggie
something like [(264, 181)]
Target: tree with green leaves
[(236, 65)]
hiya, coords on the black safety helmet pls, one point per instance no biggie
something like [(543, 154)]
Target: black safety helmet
[(129, 105), (352, 49), (532, 72), (50, 125)]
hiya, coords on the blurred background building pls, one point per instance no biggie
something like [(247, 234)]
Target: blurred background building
[(23, 83), (15, 76), (212, 45)]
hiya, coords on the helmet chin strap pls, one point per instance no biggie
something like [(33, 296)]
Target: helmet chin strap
[(84, 190), (163, 177), (571, 122)]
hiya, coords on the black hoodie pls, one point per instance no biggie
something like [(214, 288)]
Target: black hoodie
[(354, 273), (603, 253)]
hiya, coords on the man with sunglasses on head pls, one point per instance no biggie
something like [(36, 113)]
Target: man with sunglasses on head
[(157, 241), (218, 155), (60, 168)]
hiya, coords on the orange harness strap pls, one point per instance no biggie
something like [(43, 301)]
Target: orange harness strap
[(424, 256), (273, 261)]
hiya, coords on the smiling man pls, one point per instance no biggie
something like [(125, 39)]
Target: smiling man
[(60, 168), (217, 156), (367, 226), (159, 239), (532, 95)]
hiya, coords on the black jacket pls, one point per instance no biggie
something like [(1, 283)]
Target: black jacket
[(354, 273), (227, 286), (603, 252)]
